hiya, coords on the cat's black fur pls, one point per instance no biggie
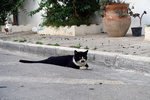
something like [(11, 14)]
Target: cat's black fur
[(77, 61)]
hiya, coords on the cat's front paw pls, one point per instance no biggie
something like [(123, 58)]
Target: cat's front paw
[(85, 68)]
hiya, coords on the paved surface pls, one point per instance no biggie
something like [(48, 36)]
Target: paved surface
[(49, 82), (101, 42)]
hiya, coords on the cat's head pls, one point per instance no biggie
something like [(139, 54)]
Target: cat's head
[(80, 57)]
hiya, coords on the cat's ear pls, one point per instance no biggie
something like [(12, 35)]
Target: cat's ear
[(75, 52), (86, 51)]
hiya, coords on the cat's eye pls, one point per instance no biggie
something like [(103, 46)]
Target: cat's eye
[(85, 57), (80, 57)]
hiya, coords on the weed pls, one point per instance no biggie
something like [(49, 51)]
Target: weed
[(86, 47), (48, 44), (126, 53), (15, 40), (23, 40), (43, 37), (56, 44), (95, 48), (39, 43), (78, 46)]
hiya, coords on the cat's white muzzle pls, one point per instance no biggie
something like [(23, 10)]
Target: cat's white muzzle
[(80, 63)]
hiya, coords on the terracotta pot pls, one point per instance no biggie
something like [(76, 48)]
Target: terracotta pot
[(117, 20)]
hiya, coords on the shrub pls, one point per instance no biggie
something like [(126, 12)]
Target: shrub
[(9, 7), (66, 12)]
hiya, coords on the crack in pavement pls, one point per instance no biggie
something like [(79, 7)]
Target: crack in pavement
[(57, 80)]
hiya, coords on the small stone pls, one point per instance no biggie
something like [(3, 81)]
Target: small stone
[(100, 83), (66, 38), (21, 86), (91, 88)]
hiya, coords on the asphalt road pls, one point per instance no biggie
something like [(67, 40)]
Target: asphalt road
[(20, 81)]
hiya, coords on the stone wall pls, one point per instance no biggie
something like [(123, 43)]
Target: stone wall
[(73, 30)]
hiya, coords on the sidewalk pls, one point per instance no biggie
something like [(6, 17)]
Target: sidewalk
[(128, 45), (126, 52)]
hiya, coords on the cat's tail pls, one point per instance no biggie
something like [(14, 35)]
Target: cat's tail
[(27, 61)]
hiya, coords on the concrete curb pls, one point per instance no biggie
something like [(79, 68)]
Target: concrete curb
[(116, 60)]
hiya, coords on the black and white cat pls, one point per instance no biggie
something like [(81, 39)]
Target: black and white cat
[(77, 61)]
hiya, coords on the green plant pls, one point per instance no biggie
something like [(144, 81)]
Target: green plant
[(49, 44), (24, 40), (126, 53), (103, 4), (67, 12), (77, 46), (137, 15), (43, 37), (9, 7), (38, 42), (56, 44), (95, 48), (15, 40), (86, 47), (121, 14)]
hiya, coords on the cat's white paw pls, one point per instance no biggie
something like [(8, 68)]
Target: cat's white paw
[(83, 68)]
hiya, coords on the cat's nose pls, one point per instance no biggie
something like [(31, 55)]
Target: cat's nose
[(82, 61)]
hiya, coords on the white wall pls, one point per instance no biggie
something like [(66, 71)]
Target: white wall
[(24, 19)]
